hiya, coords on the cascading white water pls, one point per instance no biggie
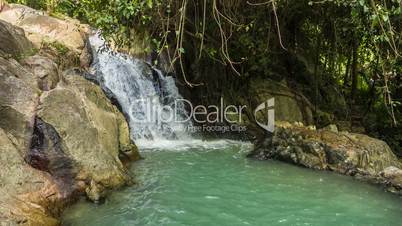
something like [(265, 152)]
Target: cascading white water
[(146, 95)]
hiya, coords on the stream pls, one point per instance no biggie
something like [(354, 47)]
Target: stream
[(213, 183)]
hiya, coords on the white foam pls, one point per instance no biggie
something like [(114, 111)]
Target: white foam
[(188, 144)]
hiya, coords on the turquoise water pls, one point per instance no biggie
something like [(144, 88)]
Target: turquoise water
[(214, 184)]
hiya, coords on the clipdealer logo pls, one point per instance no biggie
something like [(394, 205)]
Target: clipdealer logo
[(150, 111), (267, 107)]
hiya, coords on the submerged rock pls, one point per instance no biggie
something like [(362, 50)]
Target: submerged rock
[(346, 153)]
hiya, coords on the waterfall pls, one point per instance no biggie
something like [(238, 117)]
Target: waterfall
[(146, 95)]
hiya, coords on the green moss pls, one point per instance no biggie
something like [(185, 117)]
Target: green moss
[(57, 15), (26, 54), (60, 48), (63, 56)]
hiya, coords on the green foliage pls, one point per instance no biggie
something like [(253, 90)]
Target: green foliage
[(61, 49), (119, 20), (36, 4)]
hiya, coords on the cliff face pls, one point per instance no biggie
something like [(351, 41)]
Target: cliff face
[(60, 136)]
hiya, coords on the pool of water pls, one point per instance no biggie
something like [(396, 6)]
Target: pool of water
[(212, 183)]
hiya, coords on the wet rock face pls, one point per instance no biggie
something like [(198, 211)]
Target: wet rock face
[(346, 153), (56, 144), (47, 153)]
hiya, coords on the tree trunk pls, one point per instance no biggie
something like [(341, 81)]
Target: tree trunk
[(346, 77), (354, 71)]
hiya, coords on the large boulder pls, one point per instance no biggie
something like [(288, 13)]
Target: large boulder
[(56, 144), (343, 152), (13, 41), (94, 131), (39, 27), (290, 105), (346, 153)]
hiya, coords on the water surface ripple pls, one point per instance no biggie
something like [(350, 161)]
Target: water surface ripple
[(212, 183)]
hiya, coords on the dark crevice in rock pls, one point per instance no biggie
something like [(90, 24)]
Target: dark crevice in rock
[(46, 153)]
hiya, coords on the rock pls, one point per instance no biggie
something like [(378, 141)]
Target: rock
[(45, 71), (86, 56), (346, 153), (332, 128), (47, 153), (18, 100), (60, 136), (93, 130), (290, 105), (24, 189), (13, 41), (29, 195), (95, 192), (392, 172), (3, 5), (60, 54), (393, 179), (39, 27)]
